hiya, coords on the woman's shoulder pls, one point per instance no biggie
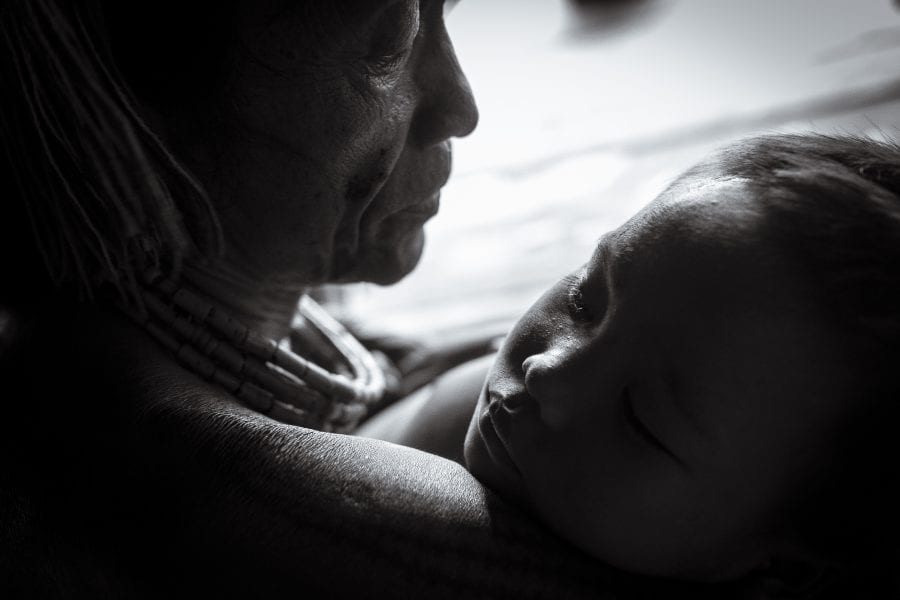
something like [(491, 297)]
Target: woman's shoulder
[(168, 482), (342, 512)]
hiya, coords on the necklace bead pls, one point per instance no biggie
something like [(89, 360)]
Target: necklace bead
[(266, 375)]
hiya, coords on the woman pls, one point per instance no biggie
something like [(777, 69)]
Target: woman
[(180, 173)]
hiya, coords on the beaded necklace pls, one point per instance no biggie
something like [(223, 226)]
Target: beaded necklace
[(265, 375)]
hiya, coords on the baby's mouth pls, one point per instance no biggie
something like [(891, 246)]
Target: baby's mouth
[(512, 403), (504, 475), (503, 411)]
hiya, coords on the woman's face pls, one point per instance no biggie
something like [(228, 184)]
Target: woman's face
[(663, 406), (334, 137)]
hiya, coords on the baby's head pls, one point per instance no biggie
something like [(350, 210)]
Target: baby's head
[(712, 396)]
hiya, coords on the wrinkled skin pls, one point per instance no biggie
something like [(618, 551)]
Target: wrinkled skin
[(326, 149), (126, 475), (339, 117)]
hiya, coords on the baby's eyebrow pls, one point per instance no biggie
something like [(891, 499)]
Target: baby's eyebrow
[(602, 250), (598, 267), (608, 256)]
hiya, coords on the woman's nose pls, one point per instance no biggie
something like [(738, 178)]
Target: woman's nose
[(447, 107)]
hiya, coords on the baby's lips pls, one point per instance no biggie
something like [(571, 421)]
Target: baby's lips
[(514, 402)]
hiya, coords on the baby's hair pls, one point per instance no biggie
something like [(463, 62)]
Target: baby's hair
[(832, 205)]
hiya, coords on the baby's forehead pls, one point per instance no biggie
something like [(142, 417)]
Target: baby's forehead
[(696, 210), (691, 186), (705, 198)]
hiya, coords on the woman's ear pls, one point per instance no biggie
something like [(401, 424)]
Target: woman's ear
[(796, 579)]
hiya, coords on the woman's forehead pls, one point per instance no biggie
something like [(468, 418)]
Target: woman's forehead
[(314, 20)]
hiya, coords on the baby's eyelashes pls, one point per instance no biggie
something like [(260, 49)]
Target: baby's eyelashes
[(586, 296), (576, 303)]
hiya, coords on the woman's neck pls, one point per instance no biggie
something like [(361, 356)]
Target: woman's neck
[(266, 307)]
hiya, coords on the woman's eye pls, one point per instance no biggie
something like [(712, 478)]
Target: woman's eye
[(393, 35), (578, 309)]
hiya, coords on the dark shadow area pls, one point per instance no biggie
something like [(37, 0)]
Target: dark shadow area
[(593, 19)]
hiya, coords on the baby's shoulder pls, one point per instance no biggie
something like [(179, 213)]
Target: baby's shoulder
[(435, 418)]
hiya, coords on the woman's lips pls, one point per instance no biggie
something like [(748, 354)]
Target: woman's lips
[(425, 209), (430, 205)]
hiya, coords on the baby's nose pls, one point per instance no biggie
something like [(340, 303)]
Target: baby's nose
[(551, 378), (538, 369)]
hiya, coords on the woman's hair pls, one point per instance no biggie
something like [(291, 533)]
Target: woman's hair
[(92, 196), (832, 204)]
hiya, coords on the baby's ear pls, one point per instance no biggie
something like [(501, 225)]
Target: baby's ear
[(797, 579)]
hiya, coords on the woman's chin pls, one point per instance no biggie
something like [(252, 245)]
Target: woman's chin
[(386, 261)]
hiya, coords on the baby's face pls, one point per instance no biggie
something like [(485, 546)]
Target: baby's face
[(662, 406)]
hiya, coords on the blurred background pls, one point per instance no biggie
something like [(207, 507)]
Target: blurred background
[(589, 108)]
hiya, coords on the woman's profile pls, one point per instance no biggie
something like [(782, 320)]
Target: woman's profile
[(178, 413), (177, 175)]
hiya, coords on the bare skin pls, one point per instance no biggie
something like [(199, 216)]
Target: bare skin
[(692, 481), (161, 484), (129, 476), (125, 475), (328, 150)]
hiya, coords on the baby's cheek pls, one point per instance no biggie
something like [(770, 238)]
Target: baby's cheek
[(637, 515)]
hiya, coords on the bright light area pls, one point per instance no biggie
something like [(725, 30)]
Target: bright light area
[(578, 130)]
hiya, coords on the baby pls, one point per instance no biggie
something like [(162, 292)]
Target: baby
[(712, 396)]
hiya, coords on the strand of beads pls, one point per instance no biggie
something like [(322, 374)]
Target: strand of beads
[(267, 376), (366, 369)]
